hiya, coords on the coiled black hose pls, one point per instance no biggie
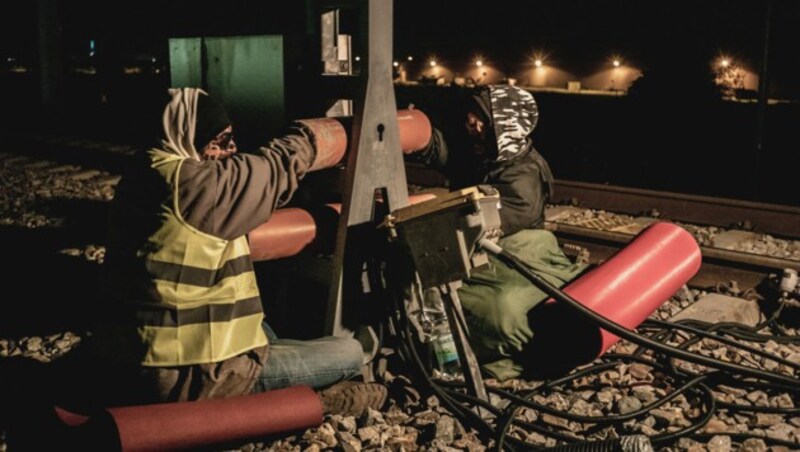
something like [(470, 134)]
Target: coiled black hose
[(625, 333), (500, 420), (633, 443)]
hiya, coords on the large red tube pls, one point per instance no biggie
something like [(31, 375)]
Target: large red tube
[(188, 425), (330, 140), (415, 130), (285, 234), (627, 288), (291, 230), (641, 277), (330, 135)]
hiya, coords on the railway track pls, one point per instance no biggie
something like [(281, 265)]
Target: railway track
[(729, 228), (777, 220)]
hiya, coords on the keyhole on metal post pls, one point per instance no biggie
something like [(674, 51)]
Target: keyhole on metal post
[(381, 128)]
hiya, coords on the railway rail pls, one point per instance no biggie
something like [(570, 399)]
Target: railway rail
[(778, 220), (723, 259)]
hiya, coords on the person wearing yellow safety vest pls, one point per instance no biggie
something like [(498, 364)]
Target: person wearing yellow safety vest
[(182, 318)]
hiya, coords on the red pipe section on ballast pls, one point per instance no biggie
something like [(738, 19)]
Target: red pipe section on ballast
[(191, 425), (638, 279), (626, 288), (331, 134), (291, 230)]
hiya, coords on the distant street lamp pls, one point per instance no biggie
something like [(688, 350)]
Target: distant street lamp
[(725, 62), (616, 63), (410, 58), (538, 63), (479, 63), (433, 63), (395, 64)]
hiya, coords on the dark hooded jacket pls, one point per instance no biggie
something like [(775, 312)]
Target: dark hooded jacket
[(510, 163), (182, 318)]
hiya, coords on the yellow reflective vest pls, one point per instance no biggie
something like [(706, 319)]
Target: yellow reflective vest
[(182, 296)]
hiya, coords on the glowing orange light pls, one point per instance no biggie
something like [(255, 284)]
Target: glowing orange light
[(725, 62), (433, 63), (479, 63), (538, 63), (616, 63)]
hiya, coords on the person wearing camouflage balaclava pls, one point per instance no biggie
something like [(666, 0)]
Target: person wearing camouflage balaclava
[(497, 152)]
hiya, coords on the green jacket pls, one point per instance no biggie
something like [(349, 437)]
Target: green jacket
[(497, 299)]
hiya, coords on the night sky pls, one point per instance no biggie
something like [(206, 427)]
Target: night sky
[(671, 116), (576, 34)]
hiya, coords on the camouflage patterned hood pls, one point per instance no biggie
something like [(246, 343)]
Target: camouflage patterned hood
[(514, 115)]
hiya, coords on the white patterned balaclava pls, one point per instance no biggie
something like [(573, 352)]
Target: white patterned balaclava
[(512, 113)]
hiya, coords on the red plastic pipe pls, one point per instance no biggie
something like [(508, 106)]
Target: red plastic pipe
[(415, 130), (330, 140), (626, 288), (291, 230), (331, 134), (285, 234), (189, 425), (633, 283)]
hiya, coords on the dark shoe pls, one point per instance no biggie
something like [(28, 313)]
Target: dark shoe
[(353, 398)]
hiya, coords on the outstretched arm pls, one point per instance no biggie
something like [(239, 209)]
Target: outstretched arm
[(228, 198), (434, 155)]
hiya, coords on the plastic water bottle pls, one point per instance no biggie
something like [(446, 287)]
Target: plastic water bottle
[(444, 346), (445, 349)]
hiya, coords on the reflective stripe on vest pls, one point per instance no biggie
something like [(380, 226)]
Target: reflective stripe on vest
[(204, 303)]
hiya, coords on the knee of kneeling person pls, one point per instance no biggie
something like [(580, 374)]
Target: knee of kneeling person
[(352, 354)]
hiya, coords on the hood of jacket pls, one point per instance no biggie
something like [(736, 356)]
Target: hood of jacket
[(512, 114), (190, 120)]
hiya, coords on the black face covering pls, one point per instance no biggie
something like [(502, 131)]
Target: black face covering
[(479, 104), (211, 120)]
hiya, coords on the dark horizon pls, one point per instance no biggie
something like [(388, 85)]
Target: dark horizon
[(577, 35), (672, 122)]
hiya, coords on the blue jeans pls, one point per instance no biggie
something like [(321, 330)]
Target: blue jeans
[(316, 363)]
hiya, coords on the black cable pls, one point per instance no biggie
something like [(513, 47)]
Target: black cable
[(454, 397), (738, 330), (594, 419), (575, 375), (410, 350), (625, 333), (759, 409), (723, 340), (517, 402), (746, 332), (666, 438), (774, 379), (689, 386), (507, 419)]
